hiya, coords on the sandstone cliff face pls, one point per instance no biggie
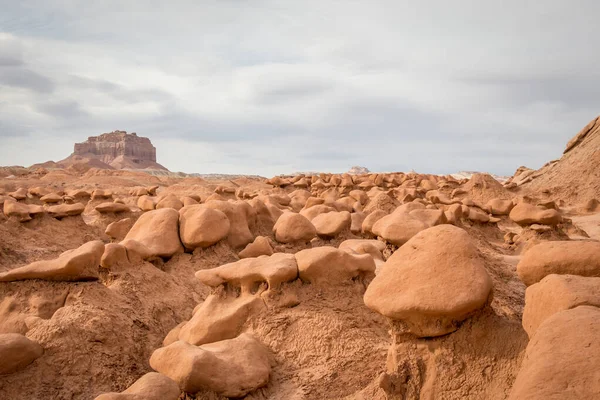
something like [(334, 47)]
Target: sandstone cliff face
[(119, 150)]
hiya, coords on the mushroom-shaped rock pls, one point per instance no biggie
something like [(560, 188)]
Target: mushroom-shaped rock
[(21, 211), (118, 229), (232, 368), (239, 234), (106, 208), (65, 210), (200, 226), (568, 257), (398, 227), (248, 273), (331, 224), (17, 352), (293, 227), (556, 293), (152, 386), (477, 215), (432, 282), (527, 214), (330, 266), (219, 318), (260, 247), (561, 359), (158, 231), (51, 198), (72, 265), (499, 206)]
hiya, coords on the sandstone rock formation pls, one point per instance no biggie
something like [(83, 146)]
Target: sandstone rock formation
[(158, 232), (118, 150), (432, 282), (17, 352), (231, 368), (560, 361), (567, 257), (152, 386), (330, 266), (73, 265)]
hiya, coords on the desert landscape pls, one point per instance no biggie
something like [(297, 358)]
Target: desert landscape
[(121, 280)]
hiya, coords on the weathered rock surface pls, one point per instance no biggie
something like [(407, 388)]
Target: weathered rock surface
[(260, 247), (330, 266), (17, 352), (561, 359), (73, 265), (201, 226), (219, 318), (158, 231), (293, 227), (152, 386), (398, 227), (434, 281), (249, 273), (556, 293), (527, 214), (119, 149), (331, 224), (232, 368), (65, 210), (566, 257)]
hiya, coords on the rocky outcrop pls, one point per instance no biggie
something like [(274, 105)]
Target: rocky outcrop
[(119, 150)]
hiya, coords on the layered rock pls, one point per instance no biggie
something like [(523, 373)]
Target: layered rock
[(118, 150)]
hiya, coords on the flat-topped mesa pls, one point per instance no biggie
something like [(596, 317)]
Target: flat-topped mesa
[(119, 149)]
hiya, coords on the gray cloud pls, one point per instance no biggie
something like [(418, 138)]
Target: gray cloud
[(26, 79), (269, 87)]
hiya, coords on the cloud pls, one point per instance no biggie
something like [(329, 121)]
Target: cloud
[(273, 87)]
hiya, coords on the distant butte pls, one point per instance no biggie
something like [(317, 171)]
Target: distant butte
[(118, 150)]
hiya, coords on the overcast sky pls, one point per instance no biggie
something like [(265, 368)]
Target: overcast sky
[(271, 87)]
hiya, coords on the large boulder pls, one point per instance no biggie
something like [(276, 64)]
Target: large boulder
[(293, 227), (238, 213), (169, 201), (556, 293), (371, 219), (200, 226), (527, 214), (17, 352), (232, 368), (158, 231), (433, 282), (330, 266), (566, 257), (561, 359), (72, 265), (152, 386), (398, 227), (331, 224)]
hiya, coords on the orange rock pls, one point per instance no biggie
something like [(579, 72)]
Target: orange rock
[(232, 368), (568, 257), (432, 282), (17, 352), (292, 227), (152, 386), (72, 265)]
